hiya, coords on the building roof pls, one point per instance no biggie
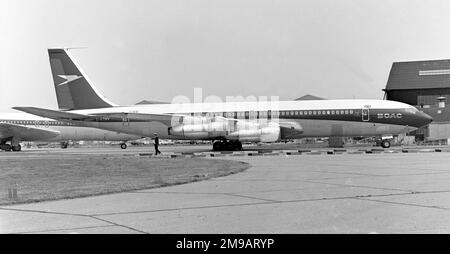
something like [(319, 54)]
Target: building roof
[(309, 97), (419, 75)]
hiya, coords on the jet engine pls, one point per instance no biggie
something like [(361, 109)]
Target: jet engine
[(269, 133), (220, 127), (200, 130)]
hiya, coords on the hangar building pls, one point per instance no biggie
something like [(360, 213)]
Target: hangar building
[(425, 85)]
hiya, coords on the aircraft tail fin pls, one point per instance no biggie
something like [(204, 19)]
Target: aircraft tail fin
[(73, 88)]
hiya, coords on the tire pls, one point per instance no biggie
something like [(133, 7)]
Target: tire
[(17, 148), (217, 146), (7, 148), (64, 145), (237, 146), (123, 146), (385, 144)]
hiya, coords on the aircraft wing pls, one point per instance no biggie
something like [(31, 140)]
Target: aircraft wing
[(55, 114), (26, 132), (137, 117)]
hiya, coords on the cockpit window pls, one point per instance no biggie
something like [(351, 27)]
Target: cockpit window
[(411, 109)]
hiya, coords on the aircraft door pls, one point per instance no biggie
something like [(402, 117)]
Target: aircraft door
[(125, 120), (365, 114)]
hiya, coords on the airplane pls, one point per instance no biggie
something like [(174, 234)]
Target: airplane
[(18, 127), (227, 124)]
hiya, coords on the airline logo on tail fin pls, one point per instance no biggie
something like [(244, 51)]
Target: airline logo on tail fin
[(72, 86), (68, 78)]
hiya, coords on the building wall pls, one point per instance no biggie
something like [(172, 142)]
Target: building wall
[(439, 131)]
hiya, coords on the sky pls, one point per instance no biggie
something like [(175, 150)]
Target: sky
[(157, 50)]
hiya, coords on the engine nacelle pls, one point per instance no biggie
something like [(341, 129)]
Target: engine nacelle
[(269, 133), (231, 130), (200, 130)]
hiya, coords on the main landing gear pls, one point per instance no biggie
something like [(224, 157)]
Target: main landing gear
[(8, 148), (227, 146)]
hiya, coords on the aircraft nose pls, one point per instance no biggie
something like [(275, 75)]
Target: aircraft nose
[(423, 119)]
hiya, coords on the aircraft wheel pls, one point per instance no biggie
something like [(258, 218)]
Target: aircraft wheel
[(227, 146), (6, 147), (217, 146), (123, 146), (237, 145), (385, 144), (64, 145), (16, 148)]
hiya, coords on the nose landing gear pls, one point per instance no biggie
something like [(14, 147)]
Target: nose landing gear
[(385, 143)]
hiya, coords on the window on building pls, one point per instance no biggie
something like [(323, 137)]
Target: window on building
[(428, 100)]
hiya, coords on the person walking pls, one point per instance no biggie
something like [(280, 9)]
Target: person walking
[(156, 144)]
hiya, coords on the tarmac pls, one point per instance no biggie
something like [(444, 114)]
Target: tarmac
[(384, 191)]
